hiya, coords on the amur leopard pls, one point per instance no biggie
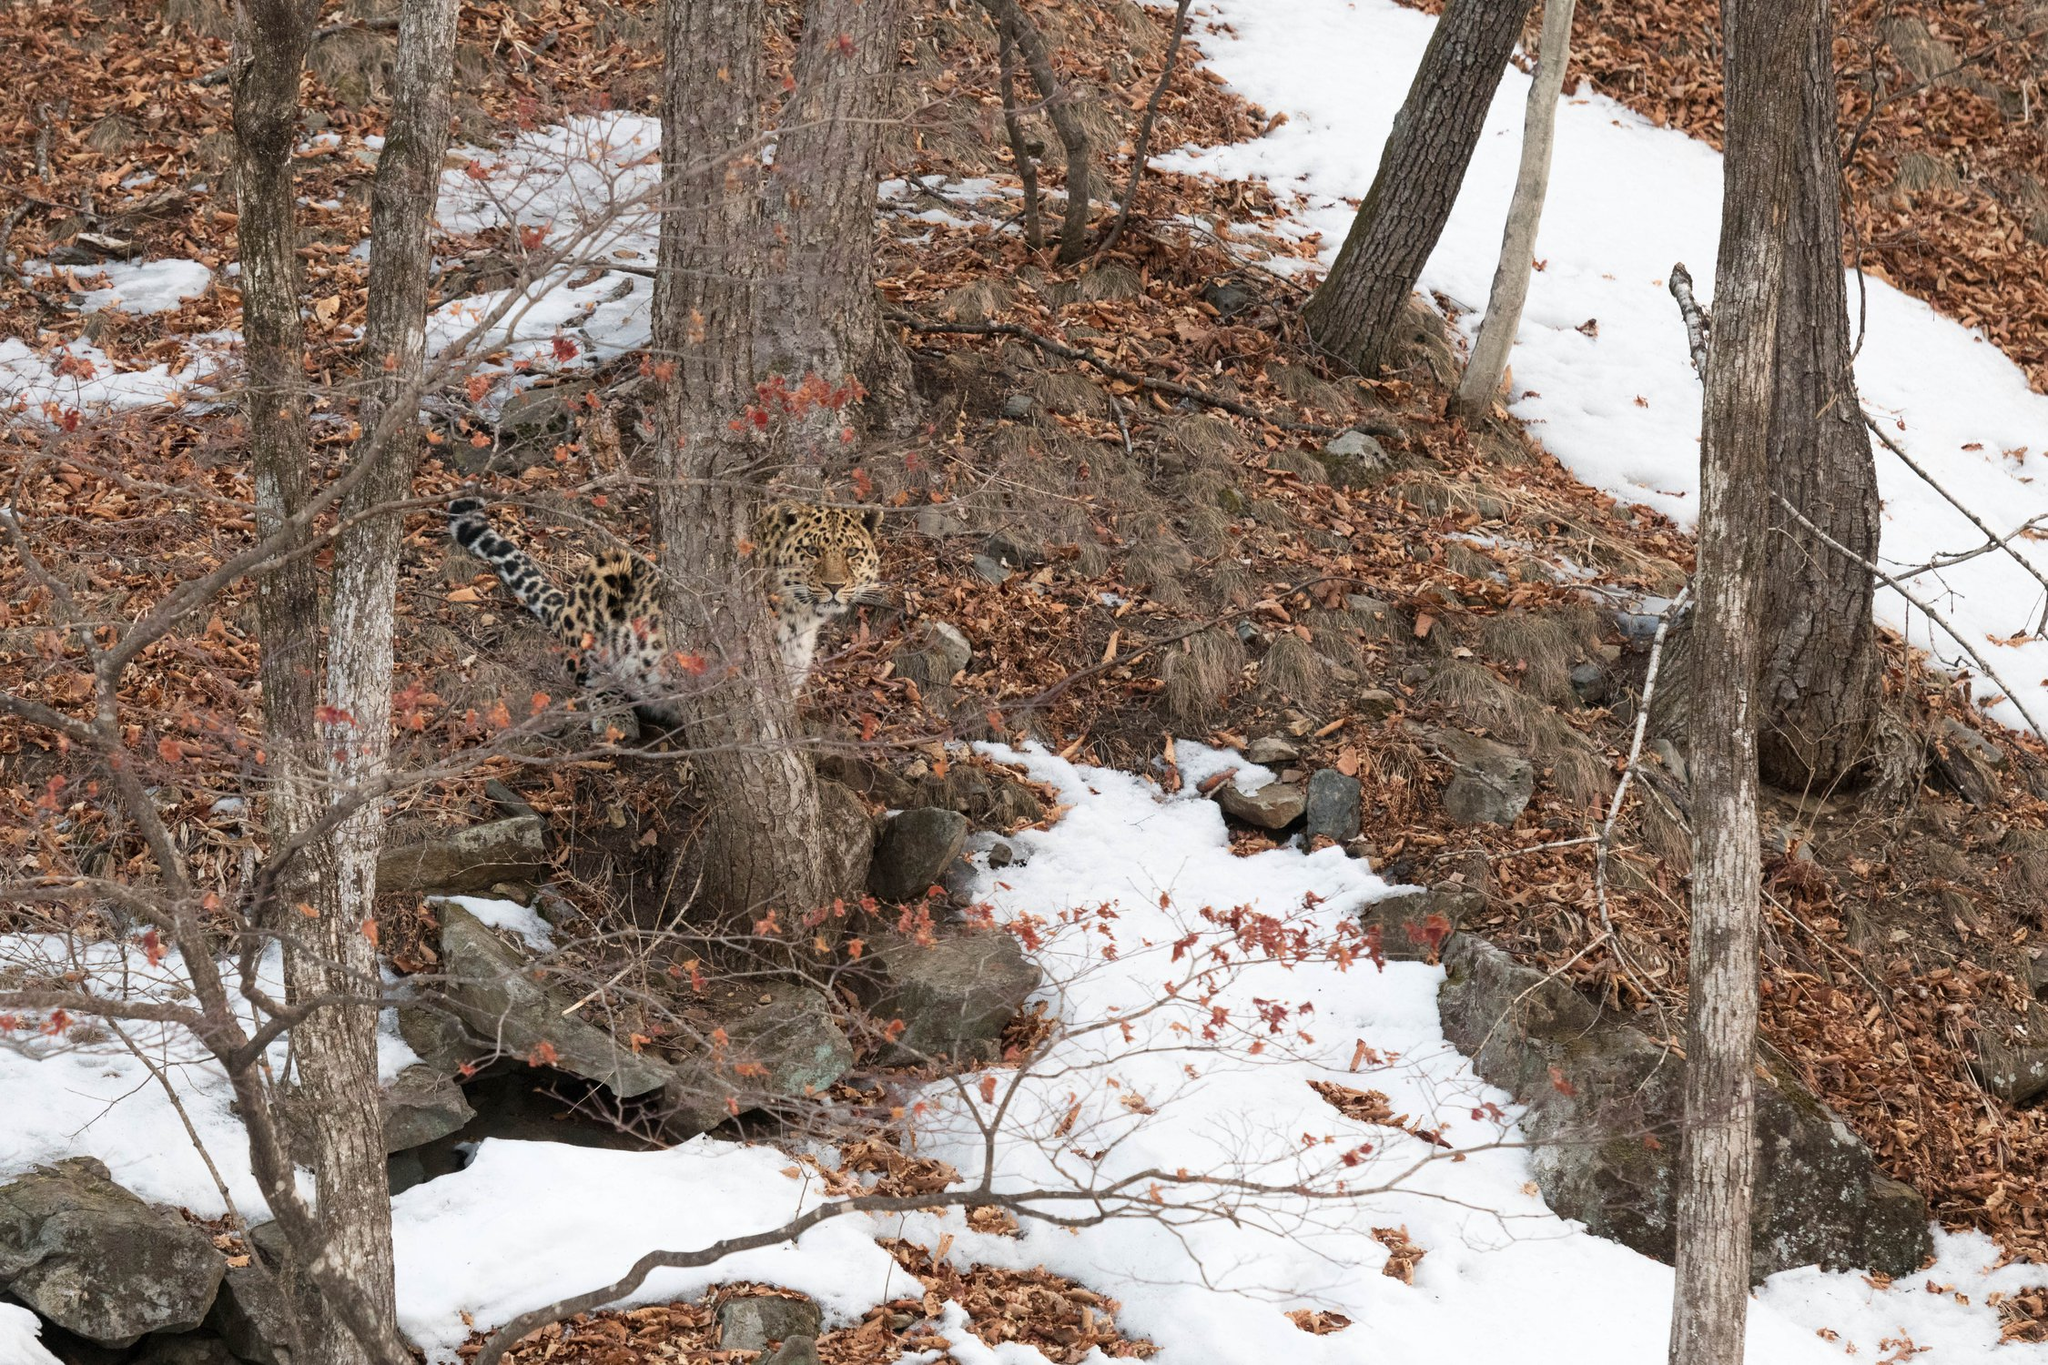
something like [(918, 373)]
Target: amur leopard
[(822, 562)]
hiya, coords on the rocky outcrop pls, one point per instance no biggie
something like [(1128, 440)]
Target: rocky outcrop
[(1334, 804), (97, 1261), (782, 1043), (1490, 783), (421, 1104), (1412, 923), (755, 1321), (914, 852), (489, 985), (1605, 1110), (472, 859), (1274, 806), (954, 994)]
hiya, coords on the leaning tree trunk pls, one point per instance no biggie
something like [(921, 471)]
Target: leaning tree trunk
[(757, 847), (1489, 362), (1764, 42), (1353, 313), (823, 305), (337, 1047), (1820, 693)]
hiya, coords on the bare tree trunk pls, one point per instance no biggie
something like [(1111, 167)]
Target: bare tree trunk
[(757, 847), (1014, 23), (271, 41), (1353, 313), (1764, 42), (825, 310), (1489, 360), (337, 1047), (1820, 692)]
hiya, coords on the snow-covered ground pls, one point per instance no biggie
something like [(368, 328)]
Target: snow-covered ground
[(528, 1222), (1621, 408)]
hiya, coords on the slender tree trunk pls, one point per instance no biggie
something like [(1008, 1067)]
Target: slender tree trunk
[(1016, 25), (757, 847), (1820, 692), (1525, 213), (1764, 42), (271, 41), (337, 1048), (1354, 311), (824, 308)]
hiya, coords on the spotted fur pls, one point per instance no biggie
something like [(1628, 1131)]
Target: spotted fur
[(822, 562)]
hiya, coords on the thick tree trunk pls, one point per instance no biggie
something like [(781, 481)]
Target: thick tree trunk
[(1354, 311), (824, 308), (1496, 338), (1764, 42), (337, 1048), (1820, 694), (757, 847)]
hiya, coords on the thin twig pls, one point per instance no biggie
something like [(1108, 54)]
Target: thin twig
[(1896, 586), (1027, 165), (1123, 212)]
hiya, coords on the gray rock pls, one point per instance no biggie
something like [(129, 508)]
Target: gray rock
[(468, 860), (1006, 547), (1273, 806), (1355, 460), (916, 848), (1375, 703), (1605, 1108), (991, 568), (1967, 762), (1490, 783), (751, 1323), (1001, 855), (1271, 749), (1228, 298), (440, 1039), (1333, 805), (782, 1044), (489, 985), (250, 1313), (939, 522), (1589, 683), (92, 1258), (937, 653), (1017, 406), (1356, 445), (954, 994), (848, 833), (1414, 923), (794, 1351), (532, 413), (421, 1103), (2014, 1068)]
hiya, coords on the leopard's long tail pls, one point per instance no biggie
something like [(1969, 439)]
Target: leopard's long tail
[(472, 530)]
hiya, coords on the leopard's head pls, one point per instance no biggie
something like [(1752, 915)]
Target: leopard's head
[(823, 560)]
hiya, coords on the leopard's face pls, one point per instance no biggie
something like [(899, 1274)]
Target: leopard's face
[(823, 560)]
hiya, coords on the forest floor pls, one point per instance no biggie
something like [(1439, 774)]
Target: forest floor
[(1185, 568)]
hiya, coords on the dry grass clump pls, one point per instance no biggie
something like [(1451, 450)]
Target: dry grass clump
[(1293, 672), (1199, 674)]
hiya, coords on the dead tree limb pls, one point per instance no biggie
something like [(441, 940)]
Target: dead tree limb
[(1013, 128)]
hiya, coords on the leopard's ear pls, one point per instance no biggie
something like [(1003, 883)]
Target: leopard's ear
[(871, 518), (776, 517)]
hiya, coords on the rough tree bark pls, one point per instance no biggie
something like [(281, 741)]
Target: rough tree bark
[(271, 41), (337, 1047), (756, 849), (1353, 313), (1820, 675), (1496, 338), (824, 307), (1764, 42)]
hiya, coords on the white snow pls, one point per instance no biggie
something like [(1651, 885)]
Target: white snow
[(1622, 409), (20, 1333), (141, 286), (510, 916), (528, 1222)]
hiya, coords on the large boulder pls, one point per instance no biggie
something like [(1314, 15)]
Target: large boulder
[(1334, 804), (472, 859), (954, 993), (1490, 783), (1274, 806), (420, 1105), (251, 1314), (752, 1322), (97, 1261), (490, 986), (782, 1044), (1412, 923), (916, 848), (1605, 1109)]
